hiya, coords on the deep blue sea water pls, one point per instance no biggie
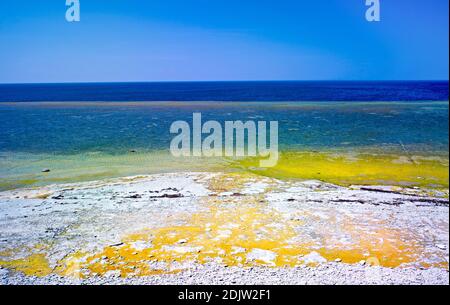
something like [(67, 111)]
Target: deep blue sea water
[(230, 91), (72, 128)]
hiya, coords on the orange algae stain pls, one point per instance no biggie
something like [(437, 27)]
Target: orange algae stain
[(33, 265), (215, 239), (376, 243), (108, 260)]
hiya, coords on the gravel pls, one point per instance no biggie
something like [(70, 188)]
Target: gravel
[(211, 274)]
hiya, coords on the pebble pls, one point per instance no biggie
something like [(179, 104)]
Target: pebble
[(213, 274)]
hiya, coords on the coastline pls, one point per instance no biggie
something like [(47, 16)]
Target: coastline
[(243, 228), (359, 195), (365, 166), (236, 145)]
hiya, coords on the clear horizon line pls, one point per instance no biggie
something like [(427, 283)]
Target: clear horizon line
[(220, 81)]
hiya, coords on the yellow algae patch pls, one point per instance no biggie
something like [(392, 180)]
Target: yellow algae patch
[(230, 236), (71, 266), (230, 181), (386, 247), (124, 260), (347, 169), (41, 196), (242, 230), (30, 260), (33, 265)]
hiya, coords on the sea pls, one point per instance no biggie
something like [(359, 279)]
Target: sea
[(85, 131), (246, 91)]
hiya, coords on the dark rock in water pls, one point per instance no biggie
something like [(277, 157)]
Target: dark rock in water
[(45, 170)]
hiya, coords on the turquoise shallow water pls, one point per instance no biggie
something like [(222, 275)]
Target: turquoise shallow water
[(70, 128), (84, 141)]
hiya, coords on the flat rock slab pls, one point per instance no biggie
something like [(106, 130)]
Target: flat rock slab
[(224, 228)]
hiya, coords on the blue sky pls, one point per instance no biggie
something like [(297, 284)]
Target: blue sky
[(185, 40)]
